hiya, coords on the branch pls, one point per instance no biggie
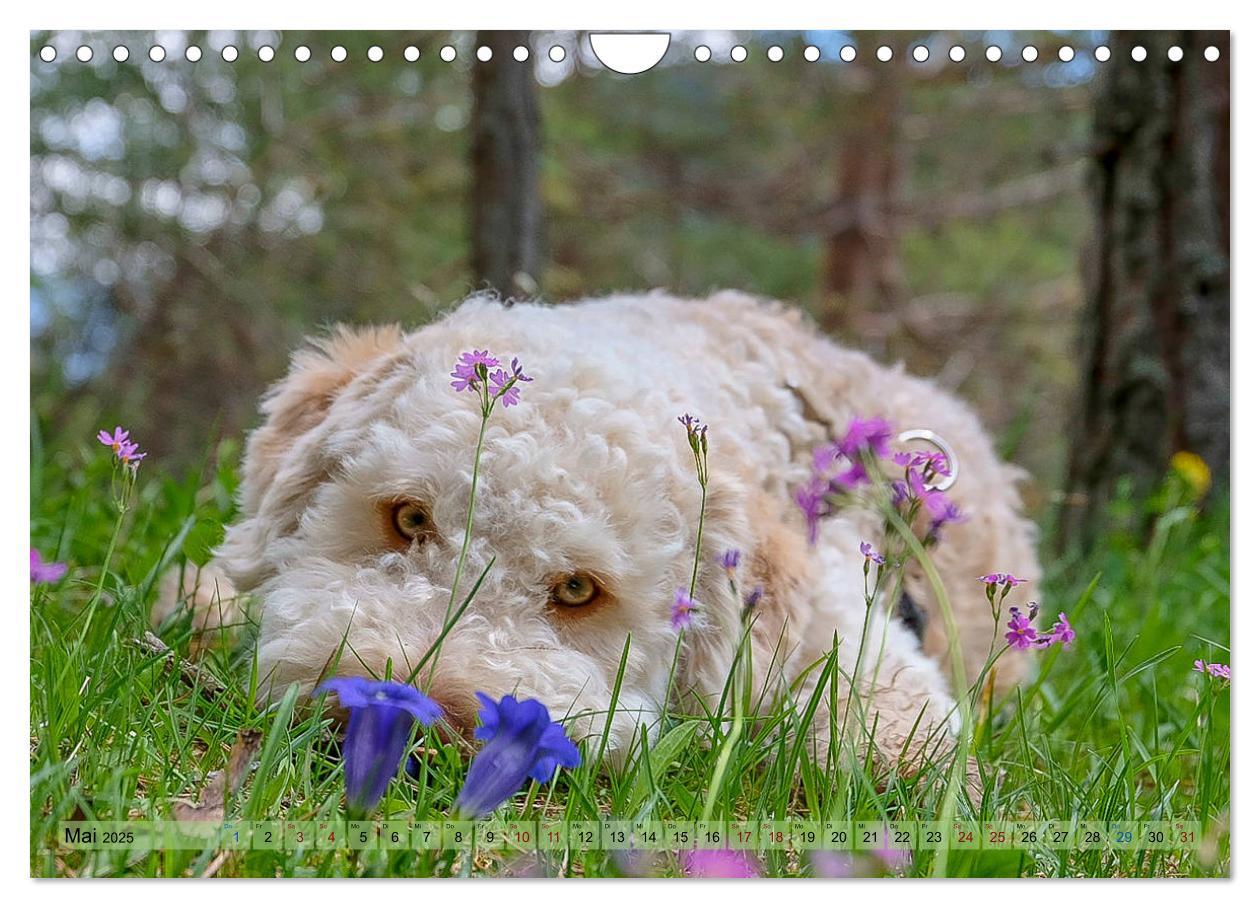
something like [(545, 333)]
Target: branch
[(195, 676), (1036, 189)]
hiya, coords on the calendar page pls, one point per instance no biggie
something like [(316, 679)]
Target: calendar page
[(655, 453)]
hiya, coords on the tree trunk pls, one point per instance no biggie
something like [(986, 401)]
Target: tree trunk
[(1155, 336), (506, 209), (861, 266)]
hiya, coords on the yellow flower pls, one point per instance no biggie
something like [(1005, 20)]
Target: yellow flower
[(1191, 467)]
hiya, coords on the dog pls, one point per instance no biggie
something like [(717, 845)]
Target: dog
[(355, 492)]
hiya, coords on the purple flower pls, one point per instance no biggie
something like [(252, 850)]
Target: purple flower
[(684, 605), (45, 571), (115, 441), (1021, 633), (693, 426), (935, 502), (871, 555), (1000, 578), (942, 511), (382, 714), (834, 865), (1061, 632), (1215, 669), (469, 368), (518, 372), (697, 434), (866, 434), (521, 743), (121, 444), (935, 461), (849, 479), (812, 500), (825, 457), (838, 470), (751, 600), (722, 863), (893, 858), (730, 559), (503, 385)]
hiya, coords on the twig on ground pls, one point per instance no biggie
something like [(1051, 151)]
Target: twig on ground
[(195, 676)]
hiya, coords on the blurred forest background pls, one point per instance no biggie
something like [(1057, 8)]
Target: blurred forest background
[(1050, 239)]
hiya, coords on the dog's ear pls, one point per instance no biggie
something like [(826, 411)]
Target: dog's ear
[(293, 409), (299, 402)]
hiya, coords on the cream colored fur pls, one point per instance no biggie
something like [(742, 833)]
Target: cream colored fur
[(592, 473)]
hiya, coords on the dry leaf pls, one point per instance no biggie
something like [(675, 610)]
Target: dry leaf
[(223, 783)]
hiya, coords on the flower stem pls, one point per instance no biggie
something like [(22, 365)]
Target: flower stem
[(468, 528), (695, 573), (472, 503), (695, 564), (90, 611), (109, 555)]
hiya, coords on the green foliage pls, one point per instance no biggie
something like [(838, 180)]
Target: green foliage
[(237, 207), (1118, 727)]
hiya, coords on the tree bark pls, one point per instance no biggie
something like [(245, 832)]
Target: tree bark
[(507, 219), (861, 266), (1155, 334)]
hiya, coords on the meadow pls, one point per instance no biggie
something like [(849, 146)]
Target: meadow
[(125, 725)]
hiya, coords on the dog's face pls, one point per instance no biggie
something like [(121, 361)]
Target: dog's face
[(355, 502)]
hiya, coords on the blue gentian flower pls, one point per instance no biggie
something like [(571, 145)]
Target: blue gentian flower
[(382, 714), (521, 743)]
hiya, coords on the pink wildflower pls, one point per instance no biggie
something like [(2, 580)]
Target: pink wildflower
[(812, 500), (115, 441), (722, 863), (935, 461), (1021, 633), (831, 864), (684, 605), (1214, 669), (1000, 579), (121, 444), (866, 434), (1062, 632), (45, 571), (868, 550), (894, 859), (936, 503), (468, 369), (503, 387)]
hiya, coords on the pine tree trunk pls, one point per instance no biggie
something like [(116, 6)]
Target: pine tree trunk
[(861, 265), (507, 219), (1155, 335)]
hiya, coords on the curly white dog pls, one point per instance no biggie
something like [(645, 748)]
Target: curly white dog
[(355, 490)]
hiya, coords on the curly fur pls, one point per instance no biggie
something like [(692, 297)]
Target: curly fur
[(592, 473)]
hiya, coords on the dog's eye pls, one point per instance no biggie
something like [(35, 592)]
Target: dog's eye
[(410, 520), (575, 590)]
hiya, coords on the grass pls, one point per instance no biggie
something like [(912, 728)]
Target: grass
[(1117, 728)]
